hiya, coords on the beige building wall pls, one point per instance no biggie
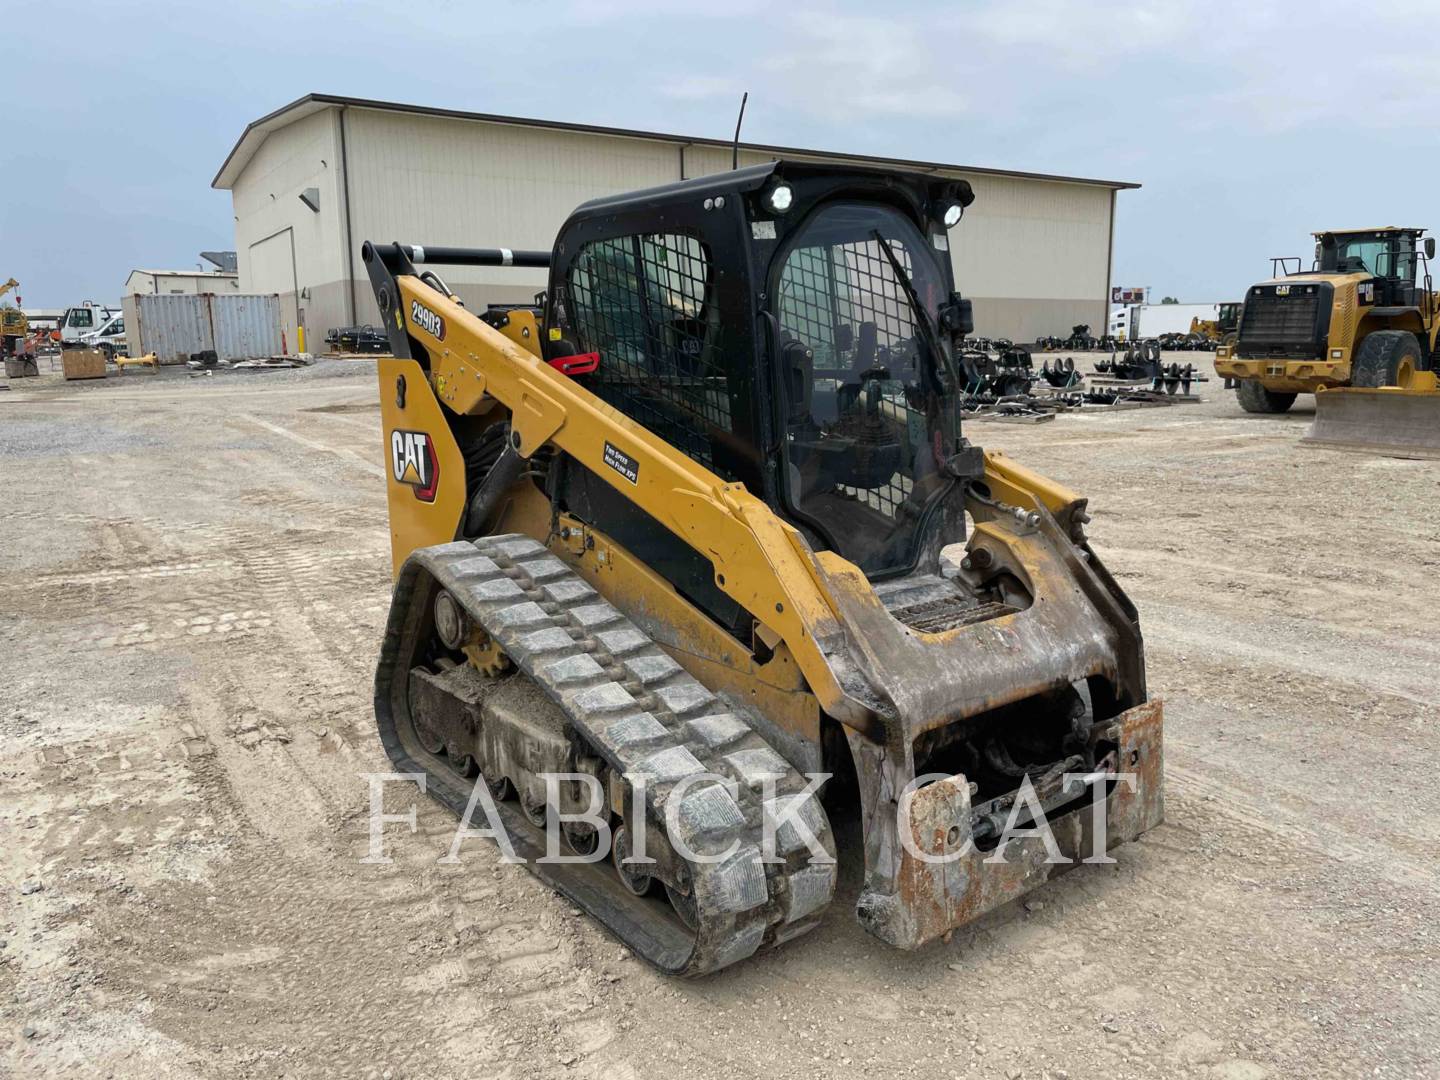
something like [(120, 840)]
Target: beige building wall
[(1032, 253), (1034, 256), (282, 245), (434, 180)]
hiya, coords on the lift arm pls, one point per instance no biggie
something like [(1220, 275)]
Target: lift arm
[(760, 561)]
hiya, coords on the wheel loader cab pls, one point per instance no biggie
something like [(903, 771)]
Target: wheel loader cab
[(784, 330), (1390, 256)]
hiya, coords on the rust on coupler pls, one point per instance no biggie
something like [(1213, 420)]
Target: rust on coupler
[(955, 883)]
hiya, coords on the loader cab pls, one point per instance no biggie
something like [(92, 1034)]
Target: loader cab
[(1228, 318), (1391, 255), (790, 327)]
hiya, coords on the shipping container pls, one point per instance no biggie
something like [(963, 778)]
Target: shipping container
[(246, 326), (237, 326)]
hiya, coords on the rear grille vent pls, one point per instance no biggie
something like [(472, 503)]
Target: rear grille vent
[(937, 616), (1279, 320)]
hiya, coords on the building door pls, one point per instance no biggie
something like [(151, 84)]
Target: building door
[(272, 270)]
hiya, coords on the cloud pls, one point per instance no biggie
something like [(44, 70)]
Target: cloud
[(702, 87), (1083, 35), (1235, 114), (839, 66), (627, 13), (1288, 76)]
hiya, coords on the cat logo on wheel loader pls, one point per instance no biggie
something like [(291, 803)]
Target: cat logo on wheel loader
[(746, 546)]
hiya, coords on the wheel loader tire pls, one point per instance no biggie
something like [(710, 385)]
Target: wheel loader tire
[(1254, 398), (1230, 339), (1381, 356)]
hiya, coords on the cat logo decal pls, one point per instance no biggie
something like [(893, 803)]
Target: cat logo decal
[(413, 462)]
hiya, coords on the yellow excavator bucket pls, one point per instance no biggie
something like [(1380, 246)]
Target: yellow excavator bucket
[(1394, 420)]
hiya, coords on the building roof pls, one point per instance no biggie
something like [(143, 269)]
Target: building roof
[(256, 132)]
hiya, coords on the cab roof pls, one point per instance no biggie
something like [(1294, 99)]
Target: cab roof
[(1378, 229)]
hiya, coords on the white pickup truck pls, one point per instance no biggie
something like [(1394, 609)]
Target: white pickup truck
[(109, 339)]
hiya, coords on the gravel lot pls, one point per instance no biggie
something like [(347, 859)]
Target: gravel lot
[(195, 576)]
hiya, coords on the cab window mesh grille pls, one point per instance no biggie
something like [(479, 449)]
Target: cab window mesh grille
[(645, 303), (853, 286)]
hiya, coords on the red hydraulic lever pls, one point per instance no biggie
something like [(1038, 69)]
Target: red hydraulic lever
[(580, 364)]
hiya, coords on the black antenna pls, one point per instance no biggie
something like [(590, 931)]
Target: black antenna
[(735, 146)]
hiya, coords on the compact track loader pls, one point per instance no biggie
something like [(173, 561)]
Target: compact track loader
[(701, 522)]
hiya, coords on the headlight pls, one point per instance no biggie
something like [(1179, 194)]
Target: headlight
[(952, 215), (779, 198)]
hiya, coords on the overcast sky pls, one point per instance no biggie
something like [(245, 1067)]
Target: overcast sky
[(1249, 124)]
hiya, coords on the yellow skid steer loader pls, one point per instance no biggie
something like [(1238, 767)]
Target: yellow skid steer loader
[(698, 531)]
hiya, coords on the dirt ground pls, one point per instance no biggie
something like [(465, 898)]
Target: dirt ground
[(194, 579)]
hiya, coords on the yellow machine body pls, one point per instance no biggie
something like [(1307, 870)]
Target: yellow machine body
[(805, 601), (1348, 326), (1311, 353), (826, 670)]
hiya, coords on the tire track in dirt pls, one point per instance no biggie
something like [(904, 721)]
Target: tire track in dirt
[(1310, 827), (1371, 667)]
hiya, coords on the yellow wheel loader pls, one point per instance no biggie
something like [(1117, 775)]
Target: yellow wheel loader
[(1223, 327), (1363, 316), (691, 555)]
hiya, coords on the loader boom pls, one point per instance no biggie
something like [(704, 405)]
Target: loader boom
[(756, 557)]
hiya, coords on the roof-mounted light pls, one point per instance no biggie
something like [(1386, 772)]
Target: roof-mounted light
[(779, 198), (948, 200)]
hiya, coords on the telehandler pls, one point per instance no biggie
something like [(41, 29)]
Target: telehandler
[(700, 522)]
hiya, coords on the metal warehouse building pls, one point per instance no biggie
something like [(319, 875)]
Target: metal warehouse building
[(312, 181)]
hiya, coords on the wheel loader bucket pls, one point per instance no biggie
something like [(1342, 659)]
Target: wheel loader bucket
[(1400, 422)]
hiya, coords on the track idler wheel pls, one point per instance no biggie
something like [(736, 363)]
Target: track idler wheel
[(461, 762), (584, 839), (634, 879), (682, 899), (499, 787), (431, 740), (452, 625), (536, 811)]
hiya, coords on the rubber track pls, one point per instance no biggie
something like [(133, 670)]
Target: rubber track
[(643, 714)]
